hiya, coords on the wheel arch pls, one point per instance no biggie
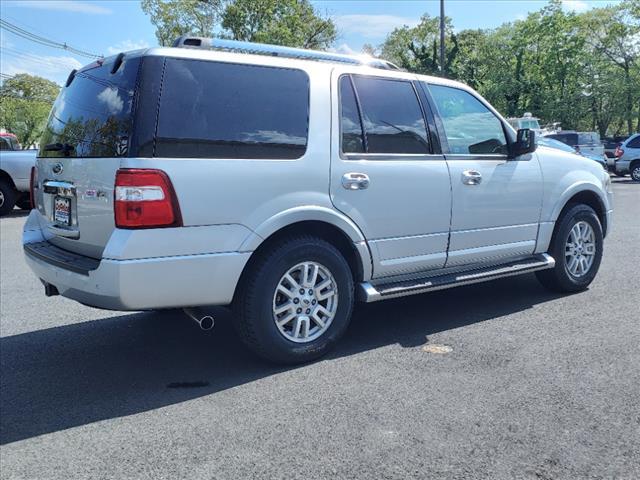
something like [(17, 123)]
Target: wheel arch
[(583, 194), (321, 222), (5, 176)]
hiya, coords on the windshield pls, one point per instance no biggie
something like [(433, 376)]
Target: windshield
[(530, 124), (92, 116)]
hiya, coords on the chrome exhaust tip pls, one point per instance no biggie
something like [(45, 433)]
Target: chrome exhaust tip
[(206, 322)]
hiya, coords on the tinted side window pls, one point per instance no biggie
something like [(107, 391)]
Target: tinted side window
[(223, 110), (350, 126), (635, 143), (392, 117), (470, 127)]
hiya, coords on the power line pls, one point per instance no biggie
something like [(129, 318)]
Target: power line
[(21, 32), (55, 63), (20, 23)]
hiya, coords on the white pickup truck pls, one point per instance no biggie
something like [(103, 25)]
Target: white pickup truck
[(15, 174)]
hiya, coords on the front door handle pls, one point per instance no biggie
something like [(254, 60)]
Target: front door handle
[(471, 177), (355, 181)]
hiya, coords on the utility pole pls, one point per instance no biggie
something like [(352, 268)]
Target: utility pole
[(442, 69)]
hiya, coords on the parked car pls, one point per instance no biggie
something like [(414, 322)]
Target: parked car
[(587, 143), (8, 141), (550, 142), (15, 171), (610, 144), (289, 184), (628, 158)]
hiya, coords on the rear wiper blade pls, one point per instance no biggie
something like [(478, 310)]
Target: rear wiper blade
[(58, 147)]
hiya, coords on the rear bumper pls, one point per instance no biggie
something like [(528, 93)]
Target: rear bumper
[(622, 166), (140, 284)]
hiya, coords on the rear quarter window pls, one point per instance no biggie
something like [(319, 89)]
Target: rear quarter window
[(232, 111)]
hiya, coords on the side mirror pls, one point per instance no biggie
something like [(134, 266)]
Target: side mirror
[(525, 143)]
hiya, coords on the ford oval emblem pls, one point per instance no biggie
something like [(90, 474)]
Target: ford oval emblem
[(57, 168)]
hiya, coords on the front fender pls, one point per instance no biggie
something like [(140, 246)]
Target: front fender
[(572, 190)]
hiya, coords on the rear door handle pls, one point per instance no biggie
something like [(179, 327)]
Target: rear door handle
[(471, 177), (355, 181)]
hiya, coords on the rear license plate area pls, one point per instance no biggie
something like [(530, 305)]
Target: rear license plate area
[(62, 211)]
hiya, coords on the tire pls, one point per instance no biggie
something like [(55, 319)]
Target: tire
[(7, 197), (560, 278), (634, 170), (257, 300)]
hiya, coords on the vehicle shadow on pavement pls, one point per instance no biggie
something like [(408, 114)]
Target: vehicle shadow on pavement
[(17, 213), (622, 180), (72, 375)]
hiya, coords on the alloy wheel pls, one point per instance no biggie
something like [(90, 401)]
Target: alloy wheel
[(580, 249), (305, 302)]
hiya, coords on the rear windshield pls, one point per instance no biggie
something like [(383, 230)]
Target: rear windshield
[(588, 138), (92, 116), (567, 138), (9, 143)]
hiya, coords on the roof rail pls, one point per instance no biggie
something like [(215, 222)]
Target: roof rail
[(279, 51)]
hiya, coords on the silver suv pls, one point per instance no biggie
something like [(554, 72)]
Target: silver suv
[(628, 158), (289, 184)]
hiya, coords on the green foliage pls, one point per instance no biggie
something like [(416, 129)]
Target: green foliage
[(25, 102), (293, 23), (578, 69), (416, 49), (173, 18)]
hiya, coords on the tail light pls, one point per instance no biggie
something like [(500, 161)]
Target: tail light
[(619, 152), (145, 198), (33, 180)]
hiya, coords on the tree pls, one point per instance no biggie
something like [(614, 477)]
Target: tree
[(173, 18), (293, 23), (615, 34), (368, 49), (582, 70), (25, 102), (416, 48)]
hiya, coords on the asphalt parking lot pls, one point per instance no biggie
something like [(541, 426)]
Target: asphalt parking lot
[(536, 385)]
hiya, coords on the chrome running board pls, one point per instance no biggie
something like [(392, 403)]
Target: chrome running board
[(372, 292)]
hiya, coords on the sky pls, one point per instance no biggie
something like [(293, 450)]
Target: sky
[(111, 26)]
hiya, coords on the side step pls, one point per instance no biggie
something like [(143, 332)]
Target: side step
[(372, 293)]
